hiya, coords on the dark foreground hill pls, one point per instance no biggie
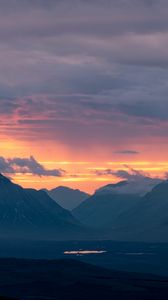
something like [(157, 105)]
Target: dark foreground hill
[(69, 279)]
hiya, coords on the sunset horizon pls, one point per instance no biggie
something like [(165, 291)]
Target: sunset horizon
[(83, 175)]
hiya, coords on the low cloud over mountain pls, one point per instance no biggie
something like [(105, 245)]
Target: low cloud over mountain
[(136, 182)]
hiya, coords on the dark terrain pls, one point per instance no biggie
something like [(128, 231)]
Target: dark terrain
[(28, 213), (124, 256), (70, 279), (38, 239)]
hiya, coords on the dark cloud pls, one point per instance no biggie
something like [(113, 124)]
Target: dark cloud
[(27, 165), (128, 175), (127, 152), (75, 70)]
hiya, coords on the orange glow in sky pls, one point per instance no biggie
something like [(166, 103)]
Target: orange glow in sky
[(80, 173)]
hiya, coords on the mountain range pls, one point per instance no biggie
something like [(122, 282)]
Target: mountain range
[(113, 212), (125, 216), (32, 213), (110, 201)]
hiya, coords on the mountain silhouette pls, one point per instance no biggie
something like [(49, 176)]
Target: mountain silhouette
[(104, 207), (66, 197), (28, 212), (128, 216), (139, 185), (148, 220)]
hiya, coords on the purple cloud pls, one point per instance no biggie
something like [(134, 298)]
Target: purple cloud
[(27, 165), (84, 72)]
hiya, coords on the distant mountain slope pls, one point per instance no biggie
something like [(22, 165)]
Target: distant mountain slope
[(27, 212), (66, 197), (128, 217), (70, 279), (148, 220), (103, 208), (137, 186)]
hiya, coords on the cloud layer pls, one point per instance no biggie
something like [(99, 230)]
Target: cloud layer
[(84, 72), (136, 182)]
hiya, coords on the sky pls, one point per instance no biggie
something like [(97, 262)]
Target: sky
[(83, 91)]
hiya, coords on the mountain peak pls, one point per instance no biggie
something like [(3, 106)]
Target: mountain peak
[(67, 197), (114, 185), (4, 179), (66, 188), (62, 187), (139, 186)]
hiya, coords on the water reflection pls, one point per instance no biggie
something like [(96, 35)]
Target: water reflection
[(84, 252)]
